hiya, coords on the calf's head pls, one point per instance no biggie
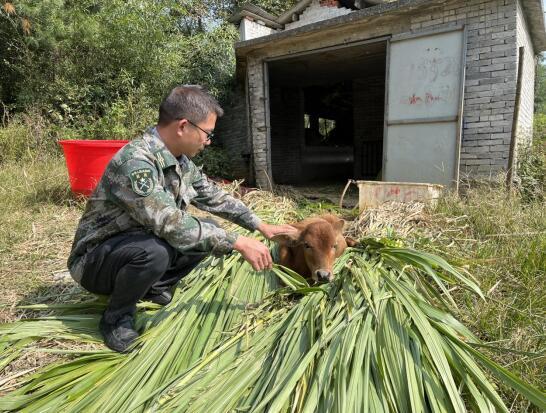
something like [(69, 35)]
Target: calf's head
[(312, 250)]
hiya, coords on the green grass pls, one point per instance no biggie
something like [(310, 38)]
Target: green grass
[(499, 239), (38, 217), (502, 242)]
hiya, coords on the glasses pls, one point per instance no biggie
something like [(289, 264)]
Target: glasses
[(210, 135)]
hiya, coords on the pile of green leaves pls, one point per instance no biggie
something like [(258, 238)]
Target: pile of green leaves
[(381, 338)]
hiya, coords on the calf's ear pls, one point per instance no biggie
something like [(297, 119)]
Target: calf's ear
[(351, 242), (338, 225), (290, 239)]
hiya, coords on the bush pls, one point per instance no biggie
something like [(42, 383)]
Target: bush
[(98, 70), (124, 118), (531, 166), (74, 60), (539, 127), (532, 172), (33, 135), (27, 137), (501, 240), (215, 162)]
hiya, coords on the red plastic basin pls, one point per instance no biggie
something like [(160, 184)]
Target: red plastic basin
[(86, 161)]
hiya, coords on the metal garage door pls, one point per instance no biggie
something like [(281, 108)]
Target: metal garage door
[(424, 107)]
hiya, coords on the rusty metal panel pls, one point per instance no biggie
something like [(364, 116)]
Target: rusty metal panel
[(424, 101)]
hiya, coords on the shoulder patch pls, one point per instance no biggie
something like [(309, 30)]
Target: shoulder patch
[(142, 181)]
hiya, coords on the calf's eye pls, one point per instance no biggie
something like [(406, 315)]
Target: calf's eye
[(306, 245)]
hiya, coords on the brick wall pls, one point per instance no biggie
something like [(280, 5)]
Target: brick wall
[(317, 12), (286, 137), (491, 61), (232, 132), (526, 111)]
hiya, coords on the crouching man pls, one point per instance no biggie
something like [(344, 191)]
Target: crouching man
[(135, 239)]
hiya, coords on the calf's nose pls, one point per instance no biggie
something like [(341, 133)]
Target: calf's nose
[(323, 275)]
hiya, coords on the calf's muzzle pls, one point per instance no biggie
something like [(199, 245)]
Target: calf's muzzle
[(323, 275)]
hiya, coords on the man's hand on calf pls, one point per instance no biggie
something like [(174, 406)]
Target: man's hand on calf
[(255, 252), (269, 231)]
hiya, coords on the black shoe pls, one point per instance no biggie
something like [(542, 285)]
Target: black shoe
[(120, 335), (163, 298)]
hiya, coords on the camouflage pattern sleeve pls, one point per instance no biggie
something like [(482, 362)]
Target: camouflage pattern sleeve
[(212, 199), (134, 186)]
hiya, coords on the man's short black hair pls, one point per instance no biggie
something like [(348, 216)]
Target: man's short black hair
[(190, 102)]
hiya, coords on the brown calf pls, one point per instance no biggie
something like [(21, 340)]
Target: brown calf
[(312, 250)]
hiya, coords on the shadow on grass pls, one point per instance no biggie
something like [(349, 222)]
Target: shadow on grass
[(56, 194), (62, 297)]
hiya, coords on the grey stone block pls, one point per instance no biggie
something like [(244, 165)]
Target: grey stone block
[(476, 149), (492, 68), (477, 125)]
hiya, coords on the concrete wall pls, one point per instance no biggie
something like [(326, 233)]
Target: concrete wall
[(526, 111), (490, 78)]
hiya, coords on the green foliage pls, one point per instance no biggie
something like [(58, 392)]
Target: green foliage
[(15, 142), (27, 137), (97, 69), (209, 59), (200, 12), (532, 172), (80, 57), (540, 88), (75, 58), (531, 168), (215, 162), (501, 239), (539, 127), (275, 7), (371, 342), (124, 118)]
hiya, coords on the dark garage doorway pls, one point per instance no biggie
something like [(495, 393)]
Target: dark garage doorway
[(326, 115)]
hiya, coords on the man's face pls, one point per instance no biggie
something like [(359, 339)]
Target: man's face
[(193, 138)]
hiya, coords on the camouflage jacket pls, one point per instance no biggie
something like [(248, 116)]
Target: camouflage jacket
[(145, 188)]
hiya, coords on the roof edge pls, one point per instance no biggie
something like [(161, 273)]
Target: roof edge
[(286, 17), (533, 11), (256, 13), (381, 9)]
